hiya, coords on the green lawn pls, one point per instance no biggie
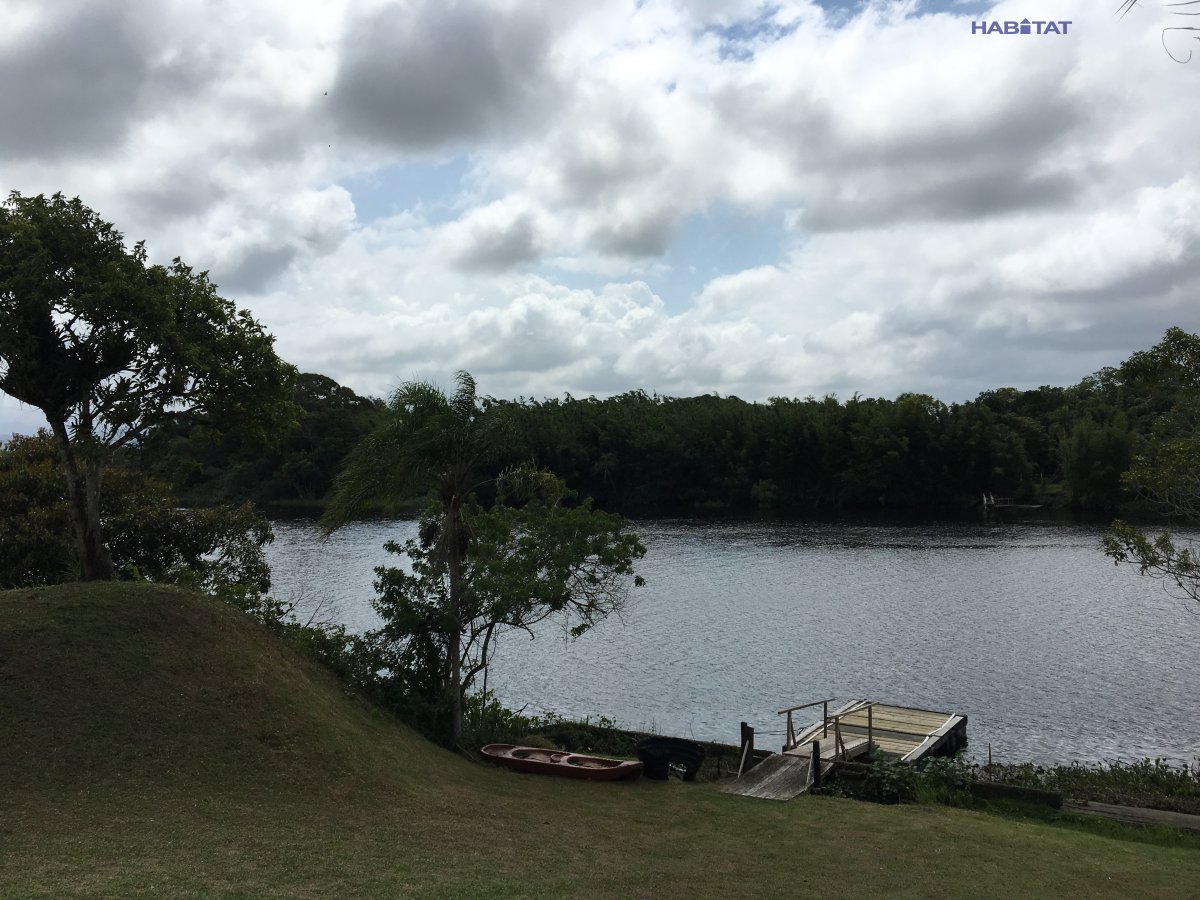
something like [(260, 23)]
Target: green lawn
[(153, 743)]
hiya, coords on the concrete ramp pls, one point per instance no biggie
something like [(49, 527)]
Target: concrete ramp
[(778, 777)]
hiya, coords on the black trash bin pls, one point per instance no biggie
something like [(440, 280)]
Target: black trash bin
[(658, 754)]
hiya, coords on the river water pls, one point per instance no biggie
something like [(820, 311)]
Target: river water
[(1052, 652)]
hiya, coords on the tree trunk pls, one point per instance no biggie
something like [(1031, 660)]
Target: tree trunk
[(83, 501), (454, 560)]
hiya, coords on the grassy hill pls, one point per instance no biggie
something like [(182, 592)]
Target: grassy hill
[(156, 743)]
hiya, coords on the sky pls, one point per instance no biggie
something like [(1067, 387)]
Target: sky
[(756, 199)]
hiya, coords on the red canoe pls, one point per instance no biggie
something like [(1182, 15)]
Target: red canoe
[(559, 762)]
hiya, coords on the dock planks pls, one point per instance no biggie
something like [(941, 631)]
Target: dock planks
[(783, 776), (904, 731), (778, 777)]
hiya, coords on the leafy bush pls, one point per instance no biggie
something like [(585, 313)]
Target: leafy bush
[(487, 721), (945, 780), (937, 780), (35, 531), (218, 550), (892, 781)]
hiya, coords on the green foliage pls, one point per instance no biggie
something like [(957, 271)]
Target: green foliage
[(35, 529), (1167, 463), (521, 566), (545, 559), (108, 347), (213, 549), (474, 572), (426, 443), (894, 781), (1166, 470), (367, 664), (1177, 566), (218, 550), (1094, 458), (941, 780), (638, 451), (89, 329), (944, 780), (299, 470), (1171, 365), (487, 721)]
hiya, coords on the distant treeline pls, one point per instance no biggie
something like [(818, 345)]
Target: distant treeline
[(637, 451), (1062, 445)]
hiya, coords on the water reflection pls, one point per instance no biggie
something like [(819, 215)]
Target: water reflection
[(1053, 653)]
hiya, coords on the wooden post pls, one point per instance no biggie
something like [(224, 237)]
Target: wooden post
[(839, 747), (747, 747), (790, 741), (816, 764), (870, 727), (825, 718)]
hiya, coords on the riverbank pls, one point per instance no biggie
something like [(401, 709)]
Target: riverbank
[(1146, 785), (159, 744)]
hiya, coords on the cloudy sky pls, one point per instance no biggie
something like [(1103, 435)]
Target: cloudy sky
[(591, 196)]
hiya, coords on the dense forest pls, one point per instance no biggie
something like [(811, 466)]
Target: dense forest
[(1062, 446)]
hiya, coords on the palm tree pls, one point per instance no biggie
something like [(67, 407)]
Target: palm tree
[(428, 441)]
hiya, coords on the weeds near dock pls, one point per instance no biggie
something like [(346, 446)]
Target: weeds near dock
[(486, 720), (942, 780), (945, 780)]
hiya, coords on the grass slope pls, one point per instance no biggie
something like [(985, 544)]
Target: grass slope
[(155, 743), (115, 682)]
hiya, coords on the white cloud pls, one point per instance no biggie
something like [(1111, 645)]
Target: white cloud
[(965, 211), (17, 418), (1156, 230)]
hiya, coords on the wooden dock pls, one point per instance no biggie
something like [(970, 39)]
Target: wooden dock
[(898, 731), (851, 730)]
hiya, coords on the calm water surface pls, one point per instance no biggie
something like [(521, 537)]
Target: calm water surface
[(1052, 652)]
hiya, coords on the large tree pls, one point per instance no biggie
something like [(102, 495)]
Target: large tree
[(475, 571), (108, 346)]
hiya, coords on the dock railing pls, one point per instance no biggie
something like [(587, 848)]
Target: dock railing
[(826, 720)]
